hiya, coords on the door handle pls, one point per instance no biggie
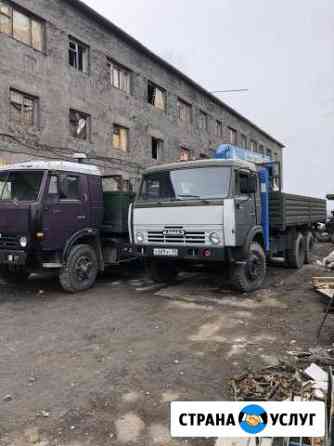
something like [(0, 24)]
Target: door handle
[(81, 217), (57, 211)]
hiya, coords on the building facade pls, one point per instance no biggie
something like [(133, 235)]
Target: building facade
[(71, 81)]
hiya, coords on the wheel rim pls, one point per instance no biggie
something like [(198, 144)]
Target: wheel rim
[(84, 268), (254, 267)]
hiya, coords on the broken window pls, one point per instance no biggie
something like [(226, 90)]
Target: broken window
[(157, 147), (203, 120), (23, 108), (21, 26), (269, 153), (156, 96), (243, 142), (79, 125), (219, 129), (185, 154), (184, 111), (120, 138), (78, 55), (261, 149), (120, 77), (232, 136), (203, 156)]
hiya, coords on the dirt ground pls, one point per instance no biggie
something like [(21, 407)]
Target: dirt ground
[(100, 368)]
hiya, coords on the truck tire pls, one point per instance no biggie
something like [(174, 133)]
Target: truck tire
[(309, 245), (13, 276), (296, 253), (249, 276), (162, 272), (81, 269)]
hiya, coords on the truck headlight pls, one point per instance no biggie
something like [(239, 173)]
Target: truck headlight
[(214, 238), (140, 237), (23, 242)]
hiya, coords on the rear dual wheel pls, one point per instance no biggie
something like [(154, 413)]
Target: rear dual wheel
[(300, 250)]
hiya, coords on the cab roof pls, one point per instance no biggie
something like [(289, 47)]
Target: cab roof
[(63, 166), (241, 164)]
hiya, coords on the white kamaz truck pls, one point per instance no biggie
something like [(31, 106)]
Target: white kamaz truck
[(227, 212)]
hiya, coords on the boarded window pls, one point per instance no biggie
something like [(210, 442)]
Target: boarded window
[(120, 77), (219, 129), (185, 154), (157, 148), (79, 125), (120, 138), (156, 96), (23, 108), (21, 26), (232, 136), (78, 55), (203, 121), (184, 111)]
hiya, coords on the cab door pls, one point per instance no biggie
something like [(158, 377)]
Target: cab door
[(66, 209), (245, 206)]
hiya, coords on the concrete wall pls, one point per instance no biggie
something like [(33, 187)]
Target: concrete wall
[(59, 88)]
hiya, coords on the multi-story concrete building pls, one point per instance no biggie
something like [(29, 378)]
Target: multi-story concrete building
[(71, 81)]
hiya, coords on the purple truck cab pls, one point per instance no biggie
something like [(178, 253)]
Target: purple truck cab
[(52, 217)]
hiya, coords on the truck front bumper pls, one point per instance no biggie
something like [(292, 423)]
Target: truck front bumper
[(202, 254), (9, 257)]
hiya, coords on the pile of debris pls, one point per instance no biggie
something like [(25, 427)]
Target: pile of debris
[(286, 382), (272, 383)]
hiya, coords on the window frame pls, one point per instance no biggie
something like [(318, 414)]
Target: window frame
[(115, 66), (35, 109), (186, 106), (119, 149), (203, 118), (88, 125), (67, 199), (32, 18), (219, 128), (160, 147), (233, 132), (85, 54), (162, 90), (243, 141)]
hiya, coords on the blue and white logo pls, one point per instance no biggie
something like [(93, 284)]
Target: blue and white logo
[(253, 419)]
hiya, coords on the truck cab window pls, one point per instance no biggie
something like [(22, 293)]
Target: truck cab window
[(243, 181), (71, 188)]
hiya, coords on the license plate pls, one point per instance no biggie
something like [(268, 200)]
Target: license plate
[(166, 252)]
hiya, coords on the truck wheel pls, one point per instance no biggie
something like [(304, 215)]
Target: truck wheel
[(296, 253), (13, 276), (81, 269), (309, 245), (162, 272), (249, 276)]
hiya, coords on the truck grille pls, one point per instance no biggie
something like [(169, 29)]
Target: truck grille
[(9, 242), (188, 237)]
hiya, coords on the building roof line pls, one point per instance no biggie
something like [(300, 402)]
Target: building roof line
[(135, 43)]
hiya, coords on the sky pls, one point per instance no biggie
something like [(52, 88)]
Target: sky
[(281, 51)]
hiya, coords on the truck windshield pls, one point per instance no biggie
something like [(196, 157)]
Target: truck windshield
[(186, 184), (20, 186)]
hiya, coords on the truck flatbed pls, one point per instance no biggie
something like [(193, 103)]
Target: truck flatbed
[(295, 210)]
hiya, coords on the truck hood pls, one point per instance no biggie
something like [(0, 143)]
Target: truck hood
[(14, 218), (179, 215)]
